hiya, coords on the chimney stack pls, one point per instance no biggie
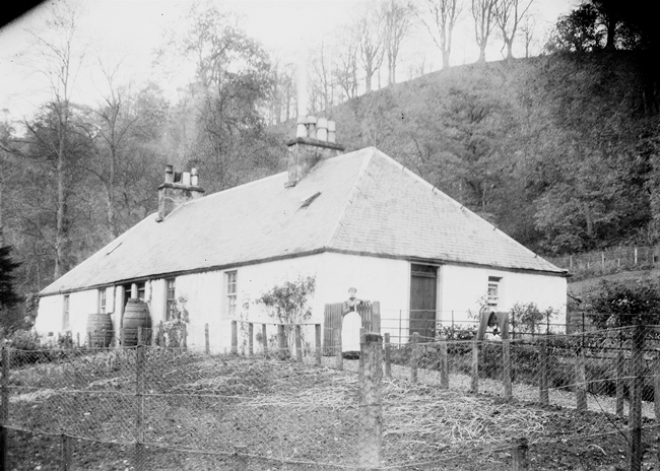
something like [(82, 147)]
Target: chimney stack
[(315, 140), (177, 190)]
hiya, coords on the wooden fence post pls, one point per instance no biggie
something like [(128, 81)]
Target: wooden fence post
[(544, 395), (65, 453), (635, 420), (161, 334), (620, 381), (506, 369), (580, 381), (339, 358), (299, 352), (282, 342), (234, 337), (78, 339), (519, 455), (264, 339), (370, 411), (139, 335), (4, 464), (444, 363), (388, 356), (207, 340), (240, 452), (250, 339), (414, 357), (4, 411), (474, 387), (318, 343), (185, 336), (656, 397), (139, 398)]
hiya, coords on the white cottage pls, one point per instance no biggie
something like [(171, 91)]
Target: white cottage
[(357, 219)]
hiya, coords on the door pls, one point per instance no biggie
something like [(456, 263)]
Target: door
[(423, 286)]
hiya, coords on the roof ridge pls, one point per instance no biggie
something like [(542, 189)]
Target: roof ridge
[(349, 200)]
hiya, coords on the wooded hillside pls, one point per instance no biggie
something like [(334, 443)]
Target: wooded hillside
[(559, 151)]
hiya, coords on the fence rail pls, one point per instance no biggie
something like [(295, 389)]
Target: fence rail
[(416, 405), (606, 261)]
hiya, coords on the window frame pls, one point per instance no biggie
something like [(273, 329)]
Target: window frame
[(231, 292), (65, 313), (170, 299), (102, 300), (493, 301)]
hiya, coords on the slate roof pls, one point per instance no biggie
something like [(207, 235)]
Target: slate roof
[(368, 204)]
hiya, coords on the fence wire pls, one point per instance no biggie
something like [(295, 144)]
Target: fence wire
[(571, 398)]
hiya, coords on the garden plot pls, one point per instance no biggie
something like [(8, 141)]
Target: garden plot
[(291, 416)]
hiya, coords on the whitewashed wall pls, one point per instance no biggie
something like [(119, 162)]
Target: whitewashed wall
[(49, 317), (461, 289)]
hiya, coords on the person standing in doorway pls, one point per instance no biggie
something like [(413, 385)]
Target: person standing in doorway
[(350, 326)]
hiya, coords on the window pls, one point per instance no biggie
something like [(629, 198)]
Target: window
[(171, 300), (493, 292), (141, 291), (102, 299), (231, 293), (65, 313)]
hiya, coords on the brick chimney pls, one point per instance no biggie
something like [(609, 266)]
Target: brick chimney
[(314, 141), (178, 189)]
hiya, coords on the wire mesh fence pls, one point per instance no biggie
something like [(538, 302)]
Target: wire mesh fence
[(510, 404)]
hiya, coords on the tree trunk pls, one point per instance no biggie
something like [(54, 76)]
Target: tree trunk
[(482, 53)]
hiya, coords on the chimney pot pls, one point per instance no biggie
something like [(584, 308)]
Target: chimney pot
[(311, 127), (322, 130), (169, 174), (186, 178)]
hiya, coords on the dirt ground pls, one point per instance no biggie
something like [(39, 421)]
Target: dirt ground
[(299, 417)]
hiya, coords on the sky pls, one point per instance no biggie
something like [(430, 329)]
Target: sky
[(129, 30)]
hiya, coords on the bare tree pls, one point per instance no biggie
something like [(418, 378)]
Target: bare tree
[(345, 70), (397, 16), (508, 15), (322, 78), (114, 124), (371, 44), (527, 29), (59, 64), (483, 12), (440, 18)]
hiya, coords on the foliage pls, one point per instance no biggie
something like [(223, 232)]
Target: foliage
[(174, 329), (622, 304), (8, 295), (579, 31), (288, 302), (528, 318)]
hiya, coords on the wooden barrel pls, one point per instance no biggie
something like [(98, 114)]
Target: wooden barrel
[(136, 314), (99, 329)]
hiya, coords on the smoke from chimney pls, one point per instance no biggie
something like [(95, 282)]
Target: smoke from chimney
[(302, 84)]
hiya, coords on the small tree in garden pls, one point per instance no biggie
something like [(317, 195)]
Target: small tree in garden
[(620, 304), (10, 318), (529, 318), (288, 303)]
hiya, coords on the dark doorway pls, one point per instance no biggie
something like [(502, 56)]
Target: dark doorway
[(423, 287)]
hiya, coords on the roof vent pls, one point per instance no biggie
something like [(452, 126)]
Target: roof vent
[(310, 200)]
